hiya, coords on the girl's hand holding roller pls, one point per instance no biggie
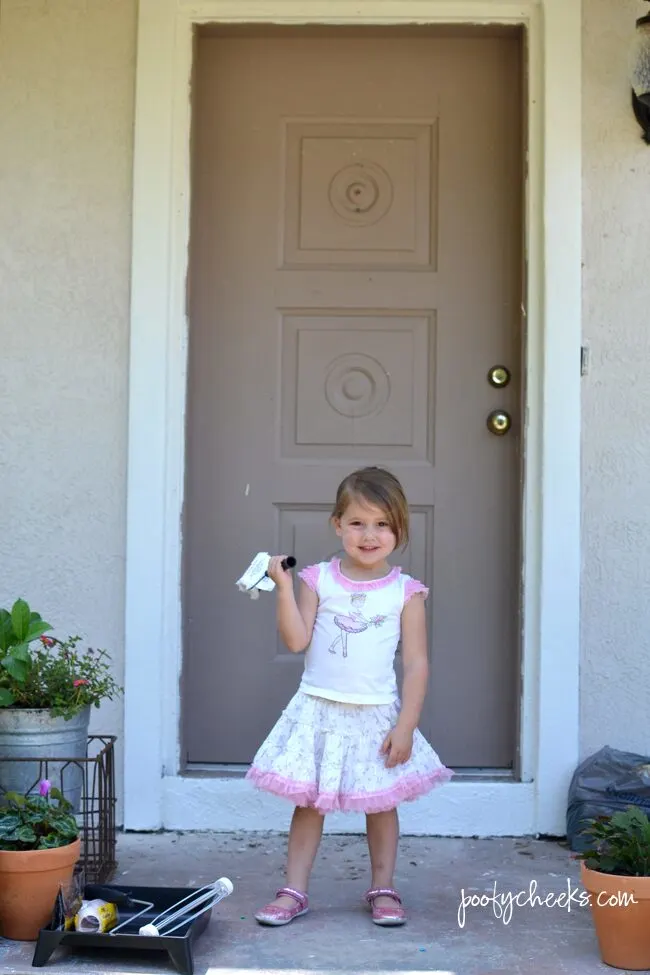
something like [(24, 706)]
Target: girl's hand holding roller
[(281, 577)]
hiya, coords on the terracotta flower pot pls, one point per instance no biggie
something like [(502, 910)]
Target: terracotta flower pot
[(622, 926), (29, 883)]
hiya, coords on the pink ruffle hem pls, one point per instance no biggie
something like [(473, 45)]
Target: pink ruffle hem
[(409, 788)]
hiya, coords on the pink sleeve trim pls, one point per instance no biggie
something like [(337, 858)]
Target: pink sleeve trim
[(412, 587), (310, 575)]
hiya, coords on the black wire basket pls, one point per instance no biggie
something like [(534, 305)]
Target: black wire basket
[(96, 816)]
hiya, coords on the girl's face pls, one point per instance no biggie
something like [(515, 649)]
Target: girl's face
[(365, 532)]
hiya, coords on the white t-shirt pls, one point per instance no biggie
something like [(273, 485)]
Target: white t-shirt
[(356, 632)]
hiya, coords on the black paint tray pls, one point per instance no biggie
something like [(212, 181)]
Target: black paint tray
[(178, 945)]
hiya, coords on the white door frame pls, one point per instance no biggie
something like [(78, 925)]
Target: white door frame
[(155, 794)]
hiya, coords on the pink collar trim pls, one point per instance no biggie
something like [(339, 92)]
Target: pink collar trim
[(356, 585)]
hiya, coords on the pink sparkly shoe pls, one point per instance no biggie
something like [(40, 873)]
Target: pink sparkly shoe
[(386, 916), (274, 915)]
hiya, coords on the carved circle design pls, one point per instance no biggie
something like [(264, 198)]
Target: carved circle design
[(357, 385), (361, 193)]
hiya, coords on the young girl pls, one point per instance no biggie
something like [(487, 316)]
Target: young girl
[(344, 741)]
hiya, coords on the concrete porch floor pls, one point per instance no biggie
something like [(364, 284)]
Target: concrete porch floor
[(337, 935)]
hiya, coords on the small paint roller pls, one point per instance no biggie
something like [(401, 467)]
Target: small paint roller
[(187, 909), (256, 577)]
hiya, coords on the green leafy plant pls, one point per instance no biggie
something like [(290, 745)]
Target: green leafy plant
[(38, 671), (621, 843), (18, 628), (36, 822)]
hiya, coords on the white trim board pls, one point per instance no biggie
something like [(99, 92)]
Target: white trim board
[(156, 796)]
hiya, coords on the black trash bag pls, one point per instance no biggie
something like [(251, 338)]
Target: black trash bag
[(606, 782)]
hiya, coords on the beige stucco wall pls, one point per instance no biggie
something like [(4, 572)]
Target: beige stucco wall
[(615, 672), (66, 117)]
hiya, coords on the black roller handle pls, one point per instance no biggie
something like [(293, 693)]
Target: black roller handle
[(286, 564), (121, 898)]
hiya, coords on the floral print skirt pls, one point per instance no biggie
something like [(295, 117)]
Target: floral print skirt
[(326, 755)]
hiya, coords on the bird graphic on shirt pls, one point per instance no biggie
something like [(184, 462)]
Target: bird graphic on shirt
[(354, 622)]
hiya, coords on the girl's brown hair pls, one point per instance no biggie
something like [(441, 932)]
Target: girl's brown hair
[(379, 487)]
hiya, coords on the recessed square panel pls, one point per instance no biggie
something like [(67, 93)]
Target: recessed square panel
[(357, 384), (359, 194)]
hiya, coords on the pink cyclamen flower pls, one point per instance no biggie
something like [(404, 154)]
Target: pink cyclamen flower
[(44, 787), (79, 683)]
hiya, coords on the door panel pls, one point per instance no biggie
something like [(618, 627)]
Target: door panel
[(355, 272)]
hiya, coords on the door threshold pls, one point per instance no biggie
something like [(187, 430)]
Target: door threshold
[(219, 771)]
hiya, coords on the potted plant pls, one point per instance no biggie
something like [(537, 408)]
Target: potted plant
[(616, 873), (47, 688), (39, 847)]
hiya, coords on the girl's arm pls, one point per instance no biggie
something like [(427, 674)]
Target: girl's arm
[(295, 619), (415, 662), (398, 743)]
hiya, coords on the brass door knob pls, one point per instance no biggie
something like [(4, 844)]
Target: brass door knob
[(499, 422), (499, 376)]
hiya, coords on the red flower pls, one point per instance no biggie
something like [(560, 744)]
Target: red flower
[(79, 683), (47, 641)]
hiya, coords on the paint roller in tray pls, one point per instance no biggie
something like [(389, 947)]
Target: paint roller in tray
[(187, 909), (256, 579)]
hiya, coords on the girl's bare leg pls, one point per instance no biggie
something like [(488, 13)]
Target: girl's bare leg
[(304, 839), (383, 833)]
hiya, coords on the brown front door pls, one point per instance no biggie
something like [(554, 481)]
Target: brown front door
[(355, 274)]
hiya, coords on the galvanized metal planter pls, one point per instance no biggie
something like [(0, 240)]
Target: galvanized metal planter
[(27, 733)]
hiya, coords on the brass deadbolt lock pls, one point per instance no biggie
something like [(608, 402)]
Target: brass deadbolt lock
[(499, 376)]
